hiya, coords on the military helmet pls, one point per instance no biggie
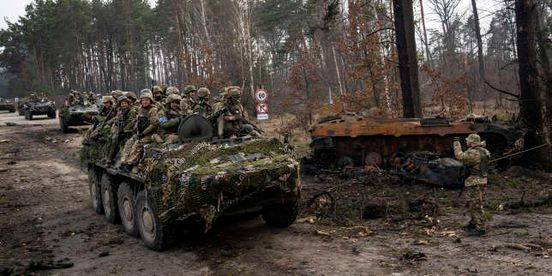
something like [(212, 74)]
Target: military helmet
[(203, 92), (172, 90), (173, 97), (163, 87), (131, 95), (123, 98), (106, 99), (116, 94), (156, 89), (189, 89), (234, 92), (146, 93), (473, 138)]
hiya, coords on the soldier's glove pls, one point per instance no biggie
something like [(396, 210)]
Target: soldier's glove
[(140, 135), (456, 139)]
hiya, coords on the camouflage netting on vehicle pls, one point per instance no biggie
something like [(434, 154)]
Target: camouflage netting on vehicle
[(207, 177)]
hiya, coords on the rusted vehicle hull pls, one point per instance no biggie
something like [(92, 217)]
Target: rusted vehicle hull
[(349, 139)]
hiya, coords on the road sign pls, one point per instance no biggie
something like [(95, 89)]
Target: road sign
[(261, 95), (262, 108), (262, 116)]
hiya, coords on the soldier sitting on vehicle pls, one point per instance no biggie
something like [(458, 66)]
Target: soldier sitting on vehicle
[(235, 116), (145, 127), (107, 112), (202, 107), (169, 119), (476, 161), (158, 95), (188, 99), (121, 127)]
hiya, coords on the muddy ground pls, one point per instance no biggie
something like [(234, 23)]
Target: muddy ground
[(46, 220)]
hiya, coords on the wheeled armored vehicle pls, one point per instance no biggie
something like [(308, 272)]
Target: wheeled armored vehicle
[(200, 178), (8, 105), (77, 115), (41, 106)]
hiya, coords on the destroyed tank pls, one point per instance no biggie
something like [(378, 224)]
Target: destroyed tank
[(349, 139), (78, 114), (6, 104), (41, 106), (200, 178)]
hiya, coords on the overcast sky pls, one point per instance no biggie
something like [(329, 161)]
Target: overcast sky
[(12, 9)]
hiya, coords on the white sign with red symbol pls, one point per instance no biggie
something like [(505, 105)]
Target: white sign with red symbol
[(261, 95), (262, 108)]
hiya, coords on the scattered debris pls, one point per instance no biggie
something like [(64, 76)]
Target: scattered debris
[(309, 219), (103, 254), (28, 267), (323, 233), (413, 256), (11, 163), (3, 170), (527, 247), (5, 141), (10, 124)]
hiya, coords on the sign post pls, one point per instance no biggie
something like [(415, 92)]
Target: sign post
[(262, 108)]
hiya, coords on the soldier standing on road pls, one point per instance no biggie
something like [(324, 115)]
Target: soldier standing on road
[(203, 107), (169, 119), (476, 163), (145, 127)]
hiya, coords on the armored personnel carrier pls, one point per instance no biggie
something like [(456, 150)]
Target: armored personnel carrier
[(80, 113), (41, 106), (198, 178), (6, 104)]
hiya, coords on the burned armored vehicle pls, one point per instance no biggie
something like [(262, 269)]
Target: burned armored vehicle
[(77, 113), (199, 178), (421, 148), (6, 104), (39, 106)]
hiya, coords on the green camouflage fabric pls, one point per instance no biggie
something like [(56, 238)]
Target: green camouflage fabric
[(473, 196), (203, 108), (471, 159), (205, 179), (133, 149)]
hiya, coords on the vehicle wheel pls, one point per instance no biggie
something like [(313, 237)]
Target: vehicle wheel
[(12, 110), (109, 199), (95, 191), (21, 112), (126, 202), (52, 115), (154, 234), (28, 115), (280, 215)]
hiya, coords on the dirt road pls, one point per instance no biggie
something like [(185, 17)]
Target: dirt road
[(46, 217)]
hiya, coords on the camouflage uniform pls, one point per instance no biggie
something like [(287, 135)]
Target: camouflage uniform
[(145, 127), (100, 127), (475, 161), (169, 120), (158, 95), (188, 102), (235, 111), (203, 107), (121, 127)]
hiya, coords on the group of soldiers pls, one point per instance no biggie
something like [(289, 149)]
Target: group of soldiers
[(80, 98), (130, 122)]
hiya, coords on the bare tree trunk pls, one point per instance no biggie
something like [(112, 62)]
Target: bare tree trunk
[(426, 41), (531, 111), (408, 66), (479, 41)]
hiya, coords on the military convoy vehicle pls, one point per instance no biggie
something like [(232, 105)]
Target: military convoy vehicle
[(200, 178), (6, 104), (80, 114), (41, 106)]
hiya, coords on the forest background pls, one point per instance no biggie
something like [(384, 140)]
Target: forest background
[(306, 53)]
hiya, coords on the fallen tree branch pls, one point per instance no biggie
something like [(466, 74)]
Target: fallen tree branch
[(500, 90)]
